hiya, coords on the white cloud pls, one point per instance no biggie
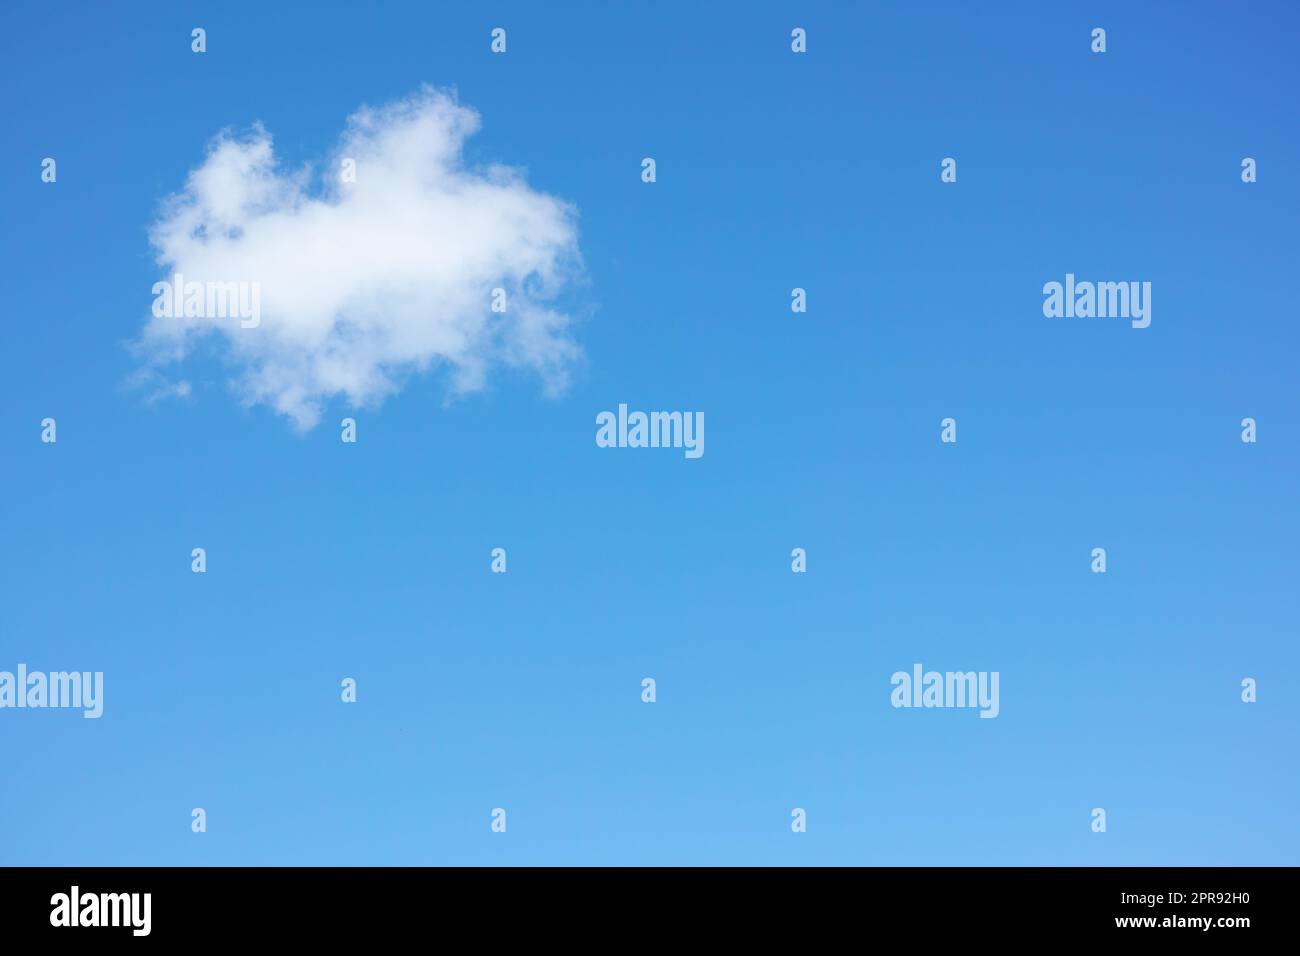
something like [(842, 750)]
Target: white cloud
[(179, 389), (364, 283)]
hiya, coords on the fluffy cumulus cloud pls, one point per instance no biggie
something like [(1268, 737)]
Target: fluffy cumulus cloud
[(360, 284)]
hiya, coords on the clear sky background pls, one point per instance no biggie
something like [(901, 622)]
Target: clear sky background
[(522, 690)]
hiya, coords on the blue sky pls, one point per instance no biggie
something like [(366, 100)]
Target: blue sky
[(522, 690)]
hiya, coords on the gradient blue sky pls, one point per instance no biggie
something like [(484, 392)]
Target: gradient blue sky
[(522, 690)]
